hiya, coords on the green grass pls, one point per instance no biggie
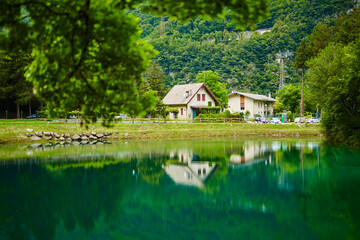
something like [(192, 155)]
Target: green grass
[(15, 133)]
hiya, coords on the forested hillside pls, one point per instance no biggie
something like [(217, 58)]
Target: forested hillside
[(245, 60)]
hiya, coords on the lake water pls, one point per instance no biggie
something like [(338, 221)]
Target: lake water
[(193, 189)]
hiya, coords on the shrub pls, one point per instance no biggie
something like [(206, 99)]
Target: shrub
[(175, 111), (227, 114)]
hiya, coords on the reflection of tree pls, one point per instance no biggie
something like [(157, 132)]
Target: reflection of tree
[(330, 203), (151, 168), (34, 203)]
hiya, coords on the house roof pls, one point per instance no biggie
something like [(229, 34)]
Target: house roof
[(184, 174), (254, 96), (182, 94)]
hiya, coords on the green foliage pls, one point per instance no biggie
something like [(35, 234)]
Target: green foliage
[(175, 111), (160, 109), (243, 62), (334, 82), (209, 110), (215, 84), (289, 96), (279, 107), (215, 114), (88, 55), (154, 80)]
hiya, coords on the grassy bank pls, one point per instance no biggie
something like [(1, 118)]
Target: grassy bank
[(16, 133)]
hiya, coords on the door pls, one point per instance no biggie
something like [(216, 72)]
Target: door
[(194, 113)]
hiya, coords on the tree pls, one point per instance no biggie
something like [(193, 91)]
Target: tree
[(88, 55), (289, 95), (333, 78), (215, 84), (13, 84), (279, 106), (302, 55), (154, 79)]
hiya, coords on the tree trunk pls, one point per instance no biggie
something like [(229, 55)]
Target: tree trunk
[(29, 107), (17, 111), (41, 106), (302, 94)]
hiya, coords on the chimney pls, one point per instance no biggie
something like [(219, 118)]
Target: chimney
[(269, 94)]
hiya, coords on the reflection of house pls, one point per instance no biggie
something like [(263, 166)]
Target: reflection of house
[(192, 173), (188, 98), (252, 152), (185, 155), (254, 103)]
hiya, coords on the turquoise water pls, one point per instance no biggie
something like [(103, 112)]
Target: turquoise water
[(203, 189)]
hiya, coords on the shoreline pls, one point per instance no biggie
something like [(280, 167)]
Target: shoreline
[(122, 131)]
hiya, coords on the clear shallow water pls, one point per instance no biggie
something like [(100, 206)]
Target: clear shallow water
[(202, 189)]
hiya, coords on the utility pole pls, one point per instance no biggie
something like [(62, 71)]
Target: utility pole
[(162, 27), (302, 94), (282, 78)]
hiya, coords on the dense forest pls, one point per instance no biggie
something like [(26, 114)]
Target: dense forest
[(246, 60)]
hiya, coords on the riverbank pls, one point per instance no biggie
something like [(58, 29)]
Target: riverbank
[(17, 133)]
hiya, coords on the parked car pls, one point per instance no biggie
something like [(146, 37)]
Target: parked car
[(33, 116), (264, 120), (257, 119), (299, 120), (121, 116), (314, 120), (275, 121)]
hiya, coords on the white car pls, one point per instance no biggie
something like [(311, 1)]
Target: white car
[(275, 121), (299, 120), (120, 116), (313, 120)]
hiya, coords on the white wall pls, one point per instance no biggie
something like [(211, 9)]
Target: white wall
[(251, 105), (179, 116), (196, 103), (262, 109), (234, 103)]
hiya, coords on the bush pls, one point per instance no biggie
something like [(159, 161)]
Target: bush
[(227, 114), (211, 117), (175, 111)]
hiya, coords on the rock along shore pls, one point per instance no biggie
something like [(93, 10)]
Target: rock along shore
[(84, 137)]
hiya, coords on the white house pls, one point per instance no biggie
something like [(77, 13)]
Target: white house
[(188, 98), (255, 103)]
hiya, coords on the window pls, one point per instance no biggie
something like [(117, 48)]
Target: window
[(181, 111), (204, 171), (199, 171), (242, 103), (203, 97), (198, 97)]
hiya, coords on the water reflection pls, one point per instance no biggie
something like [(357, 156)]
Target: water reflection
[(189, 170), (221, 189)]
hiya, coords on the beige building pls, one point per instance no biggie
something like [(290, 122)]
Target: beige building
[(255, 103), (188, 98)]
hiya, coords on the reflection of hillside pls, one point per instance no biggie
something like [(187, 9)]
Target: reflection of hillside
[(189, 171)]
